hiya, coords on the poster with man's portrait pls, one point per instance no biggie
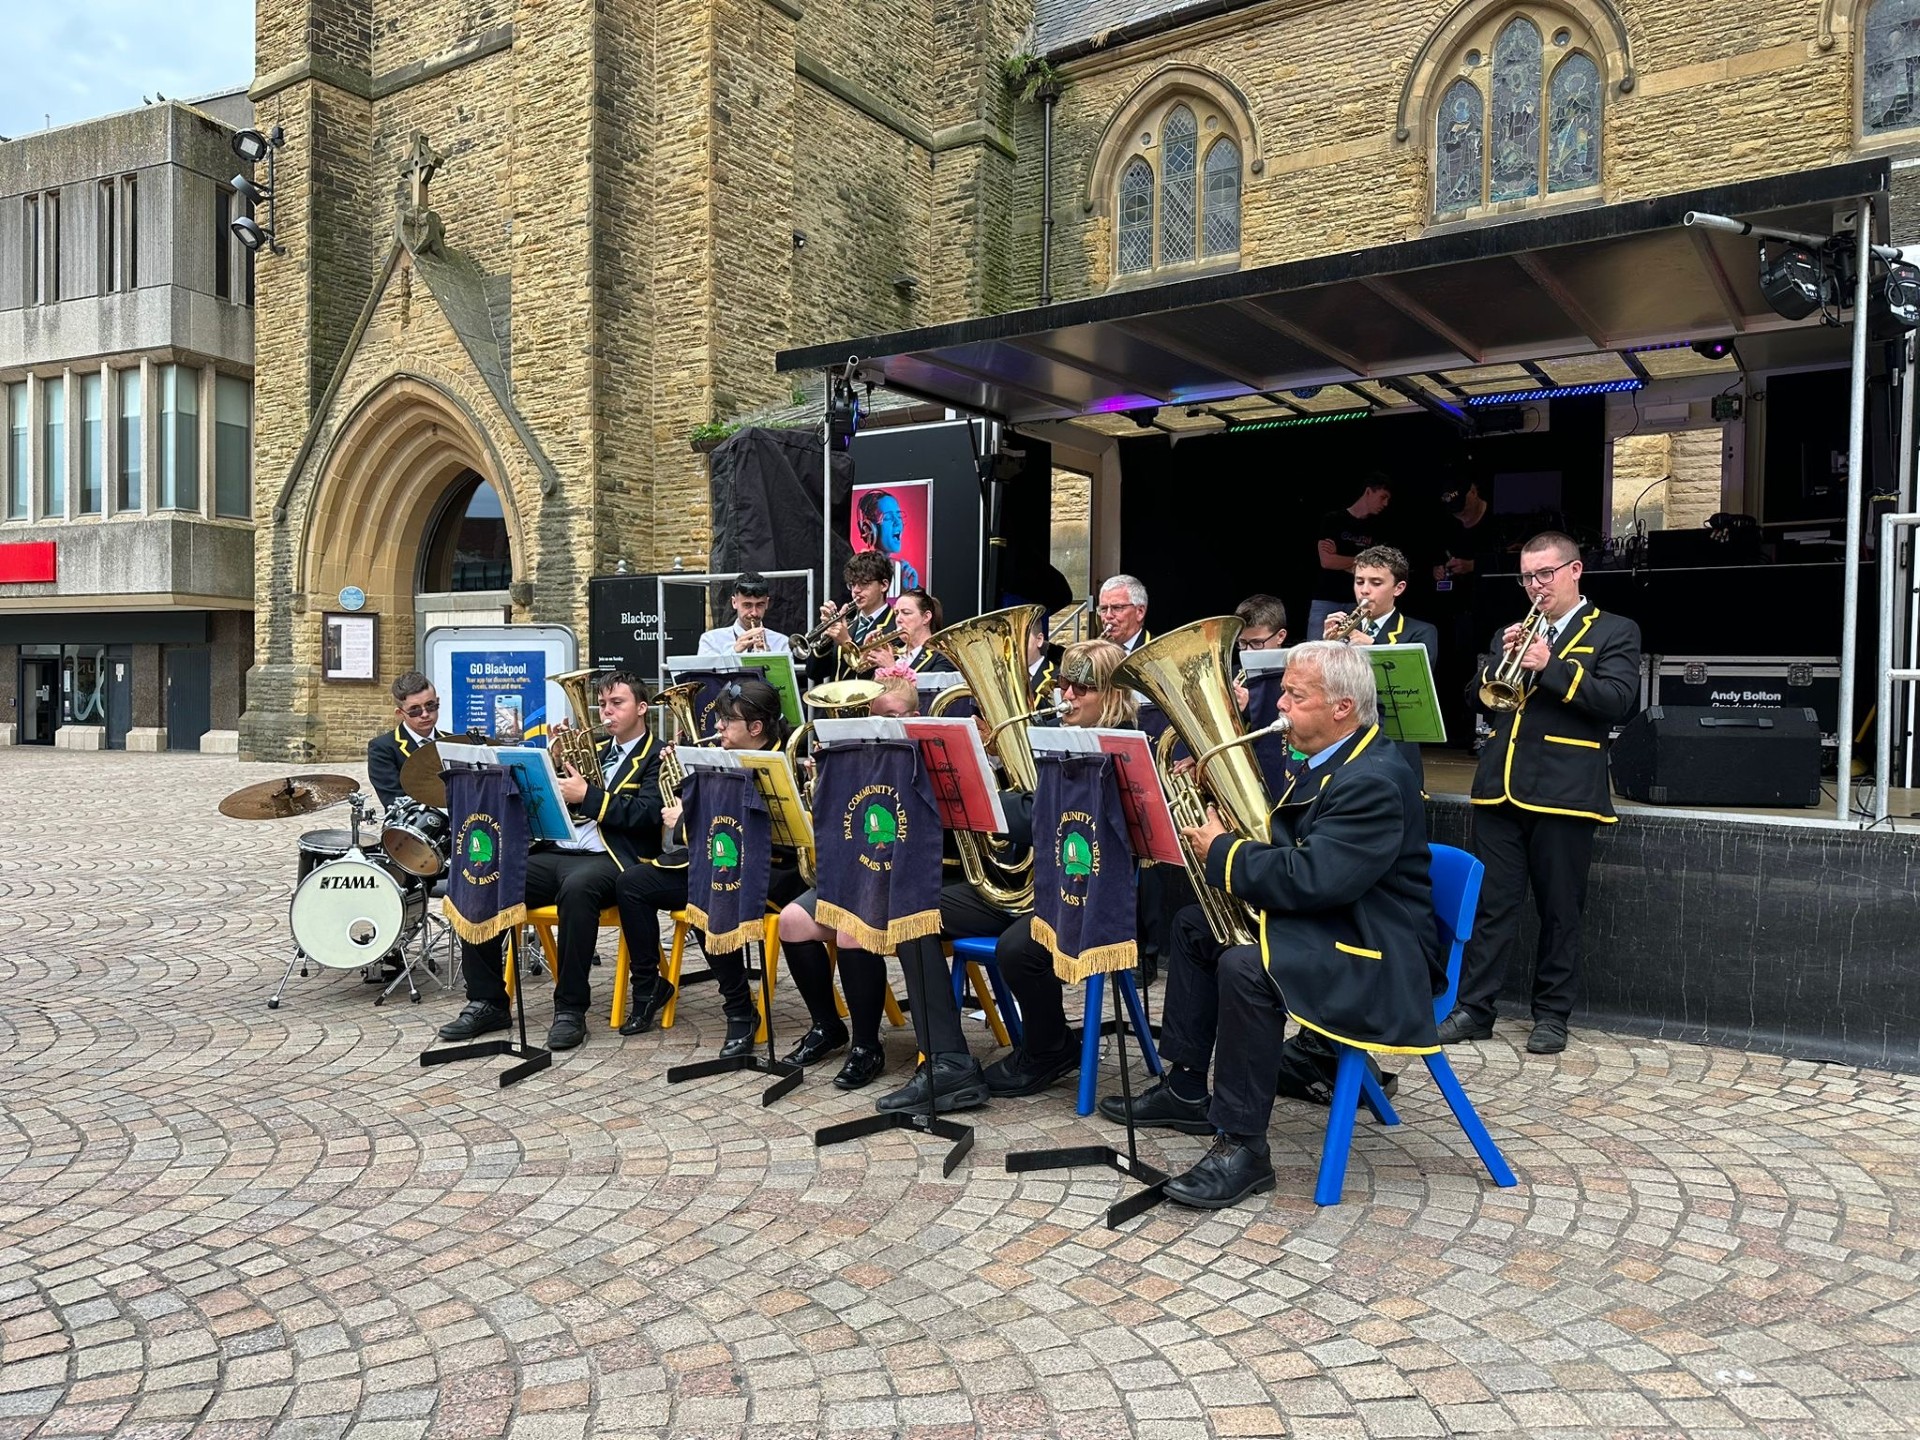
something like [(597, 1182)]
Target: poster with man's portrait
[(897, 520)]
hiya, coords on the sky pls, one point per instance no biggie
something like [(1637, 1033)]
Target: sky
[(73, 61)]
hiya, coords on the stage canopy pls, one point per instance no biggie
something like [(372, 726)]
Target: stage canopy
[(1588, 296)]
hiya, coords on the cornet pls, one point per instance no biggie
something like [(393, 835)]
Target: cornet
[(1507, 687), (815, 642)]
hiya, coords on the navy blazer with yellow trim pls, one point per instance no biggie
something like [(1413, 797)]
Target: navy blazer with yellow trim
[(386, 754), (1550, 755), (1345, 897), (627, 807)]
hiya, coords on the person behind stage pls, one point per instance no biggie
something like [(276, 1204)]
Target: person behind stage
[(1123, 612), (416, 711), (1348, 948), (1380, 579), (746, 716), (863, 975), (882, 527), (748, 634), (916, 617), (1540, 792), (1043, 664), (1341, 535), (617, 816), (866, 575)]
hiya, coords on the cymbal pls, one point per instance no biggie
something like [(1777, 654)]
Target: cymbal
[(281, 799), (420, 777)]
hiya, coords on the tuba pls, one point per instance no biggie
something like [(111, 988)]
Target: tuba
[(577, 744), (1507, 686), (1185, 672), (990, 652)]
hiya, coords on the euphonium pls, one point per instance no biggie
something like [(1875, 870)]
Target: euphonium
[(1507, 686), (1185, 672), (990, 651), (577, 744), (837, 700)]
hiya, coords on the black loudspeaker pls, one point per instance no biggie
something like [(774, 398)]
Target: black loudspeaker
[(1702, 755)]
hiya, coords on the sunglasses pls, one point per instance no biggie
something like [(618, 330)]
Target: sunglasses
[(416, 712)]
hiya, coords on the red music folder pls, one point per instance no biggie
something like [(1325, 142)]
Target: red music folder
[(1149, 821), (956, 762)]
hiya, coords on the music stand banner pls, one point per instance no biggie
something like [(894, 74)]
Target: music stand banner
[(1084, 877), (729, 856), (878, 835), (487, 890)]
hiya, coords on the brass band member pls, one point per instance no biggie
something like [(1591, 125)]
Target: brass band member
[(1540, 793), (617, 814), (748, 634), (867, 575), (747, 716), (1123, 612), (1263, 626), (416, 713), (863, 975), (917, 615), (1348, 943), (1043, 664), (1379, 580)]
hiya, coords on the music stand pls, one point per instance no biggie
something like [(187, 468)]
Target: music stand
[(963, 789), (1151, 836), (773, 778), (1409, 703)]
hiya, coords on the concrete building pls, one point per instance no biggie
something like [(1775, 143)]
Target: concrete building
[(126, 412)]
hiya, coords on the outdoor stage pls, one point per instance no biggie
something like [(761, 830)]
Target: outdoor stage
[(1780, 930)]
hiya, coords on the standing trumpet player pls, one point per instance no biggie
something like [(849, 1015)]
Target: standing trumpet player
[(1540, 792), (748, 635)]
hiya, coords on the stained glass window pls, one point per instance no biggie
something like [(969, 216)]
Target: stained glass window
[(1890, 79), (1136, 218), (1221, 218), (1573, 125), (1514, 145), (1179, 139), (1457, 147)]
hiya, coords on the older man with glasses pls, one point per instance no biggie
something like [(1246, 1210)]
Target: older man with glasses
[(1123, 612), (1540, 792), (416, 710)]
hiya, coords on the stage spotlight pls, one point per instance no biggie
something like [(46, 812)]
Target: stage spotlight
[(1143, 415), (843, 414), (1903, 293), (1713, 349), (253, 147), (1793, 281)]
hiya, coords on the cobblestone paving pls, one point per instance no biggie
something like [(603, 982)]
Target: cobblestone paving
[(219, 1220)]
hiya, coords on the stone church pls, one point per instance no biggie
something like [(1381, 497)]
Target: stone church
[(533, 245)]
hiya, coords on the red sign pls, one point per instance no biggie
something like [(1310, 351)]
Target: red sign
[(26, 562)]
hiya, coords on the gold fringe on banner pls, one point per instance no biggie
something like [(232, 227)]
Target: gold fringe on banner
[(726, 941), (868, 937), (1102, 960), (479, 933)]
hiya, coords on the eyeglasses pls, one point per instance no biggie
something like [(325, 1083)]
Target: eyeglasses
[(415, 712), (1530, 578), (1257, 642), (1116, 609), (1076, 687)]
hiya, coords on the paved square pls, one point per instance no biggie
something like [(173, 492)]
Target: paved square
[(221, 1220)]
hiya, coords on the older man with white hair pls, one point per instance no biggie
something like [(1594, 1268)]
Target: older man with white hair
[(1348, 947), (1123, 612)]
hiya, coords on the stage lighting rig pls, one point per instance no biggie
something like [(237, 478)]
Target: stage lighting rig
[(253, 147)]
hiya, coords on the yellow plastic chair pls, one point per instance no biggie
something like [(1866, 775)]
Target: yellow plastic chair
[(545, 920)]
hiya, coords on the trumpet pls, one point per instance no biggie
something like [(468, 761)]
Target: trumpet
[(815, 643), (1362, 611), (1509, 684)]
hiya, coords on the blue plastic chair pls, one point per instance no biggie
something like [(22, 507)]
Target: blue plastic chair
[(975, 953), (1456, 894)]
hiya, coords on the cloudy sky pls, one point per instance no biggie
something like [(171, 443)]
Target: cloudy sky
[(73, 60)]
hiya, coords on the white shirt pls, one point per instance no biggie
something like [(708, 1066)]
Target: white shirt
[(418, 739), (720, 641), (1373, 625), (1555, 628), (589, 830)]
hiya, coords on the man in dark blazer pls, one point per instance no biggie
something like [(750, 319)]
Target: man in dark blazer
[(616, 812), (416, 711), (1348, 946), (1380, 579), (1540, 793)]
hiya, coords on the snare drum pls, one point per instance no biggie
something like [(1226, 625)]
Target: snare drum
[(417, 838), (317, 847)]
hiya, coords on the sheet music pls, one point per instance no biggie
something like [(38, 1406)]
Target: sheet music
[(483, 757), (706, 757), (539, 782), (679, 665), (1254, 662)]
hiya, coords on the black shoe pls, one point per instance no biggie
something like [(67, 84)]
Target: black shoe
[(645, 1012), (569, 1029), (1461, 1025), (1021, 1073), (818, 1043), (863, 1067), (958, 1084), (1549, 1037), (739, 1039), (1162, 1108), (479, 1018), (1225, 1176)]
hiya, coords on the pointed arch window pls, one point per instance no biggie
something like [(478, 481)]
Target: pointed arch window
[(1890, 67), (1177, 199), (1522, 118)]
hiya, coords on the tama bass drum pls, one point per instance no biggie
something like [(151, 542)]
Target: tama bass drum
[(352, 912)]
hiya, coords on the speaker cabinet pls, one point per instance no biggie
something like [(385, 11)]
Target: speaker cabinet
[(1701, 755)]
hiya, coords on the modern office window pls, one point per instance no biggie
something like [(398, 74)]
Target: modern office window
[(92, 448), (108, 221), (232, 447), (30, 248), (53, 447), (17, 451), (222, 243), (130, 202), (129, 407), (179, 438)]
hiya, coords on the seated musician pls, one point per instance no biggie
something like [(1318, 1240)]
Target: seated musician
[(1379, 579), (867, 576), (1348, 945), (917, 617), (416, 712), (747, 716), (748, 634), (863, 975), (617, 816), (1043, 664)]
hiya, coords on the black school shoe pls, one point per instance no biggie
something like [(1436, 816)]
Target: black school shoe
[(818, 1043), (957, 1083), (1162, 1109), (863, 1067), (569, 1030), (1549, 1037), (1023, 1073), (479, 1018), (645, 1012), (1225, 1176)]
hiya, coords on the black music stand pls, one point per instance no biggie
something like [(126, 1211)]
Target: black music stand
[(533, 1059)]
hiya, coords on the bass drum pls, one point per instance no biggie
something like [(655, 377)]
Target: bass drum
[(352, 912), (416, 837)]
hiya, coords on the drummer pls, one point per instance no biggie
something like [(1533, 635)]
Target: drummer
[(416, 709)]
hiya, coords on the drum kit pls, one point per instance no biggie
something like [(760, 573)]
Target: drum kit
[(360, 906)]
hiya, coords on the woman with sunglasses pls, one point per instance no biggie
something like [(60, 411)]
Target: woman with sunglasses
[(747, 716)]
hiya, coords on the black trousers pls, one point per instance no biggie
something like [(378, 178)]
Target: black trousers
[(580, 885), (647, 892), (1028, 968), (863, 978), (1552, 852), (936, 1018), (1252, 1028), (1190, 1015)]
